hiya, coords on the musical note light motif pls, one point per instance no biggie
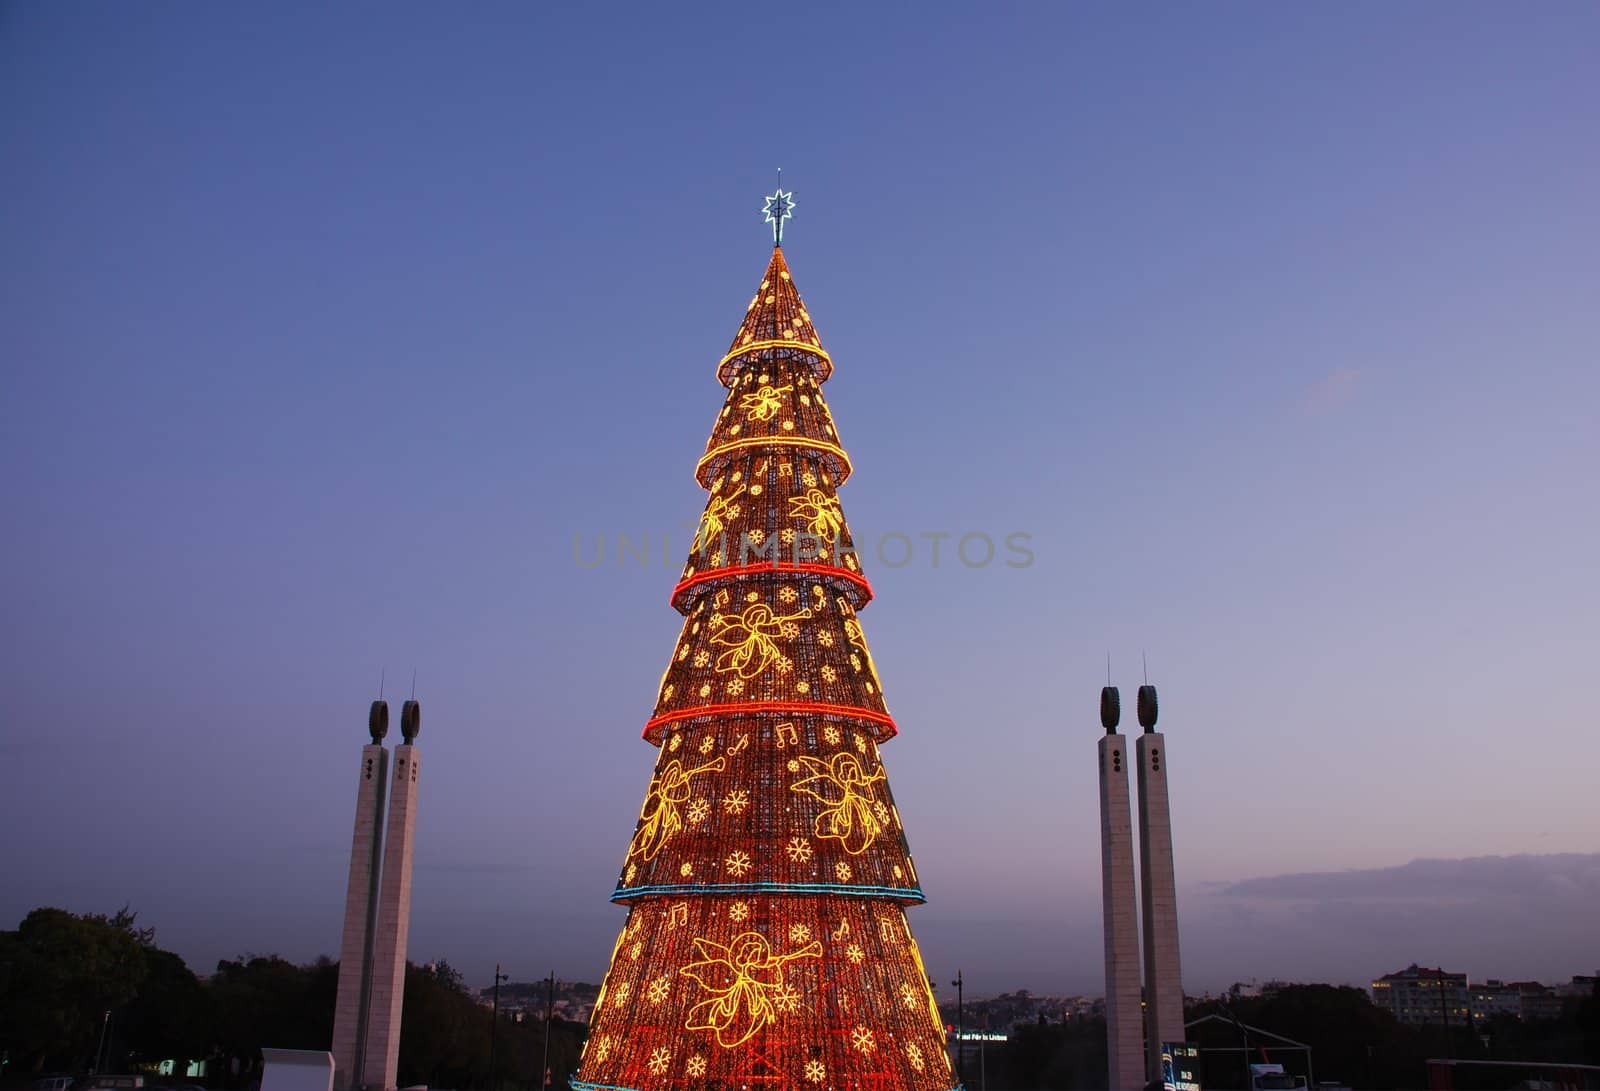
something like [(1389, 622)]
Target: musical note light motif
[(767, 880)]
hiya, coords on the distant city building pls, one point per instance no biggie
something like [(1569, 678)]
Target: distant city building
[(1493, 998), (1581, 985), (1419, 996)]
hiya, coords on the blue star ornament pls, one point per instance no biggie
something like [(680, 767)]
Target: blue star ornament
[(779, 207)]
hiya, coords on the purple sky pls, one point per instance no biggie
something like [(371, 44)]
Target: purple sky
[(325, 330)]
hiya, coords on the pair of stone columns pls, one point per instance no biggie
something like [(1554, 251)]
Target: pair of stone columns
[(1135, 1019), (377, 909)]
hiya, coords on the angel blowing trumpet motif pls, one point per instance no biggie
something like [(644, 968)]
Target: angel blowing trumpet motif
[(745, 981)]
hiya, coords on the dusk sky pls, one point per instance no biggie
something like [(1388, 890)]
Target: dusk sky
[(325, 330)]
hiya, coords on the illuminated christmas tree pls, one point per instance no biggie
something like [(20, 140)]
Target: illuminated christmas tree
[(766, 943)]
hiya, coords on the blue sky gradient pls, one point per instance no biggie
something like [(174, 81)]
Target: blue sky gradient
[(325, 331)]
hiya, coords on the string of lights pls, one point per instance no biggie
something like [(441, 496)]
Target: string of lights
[(766, 943)]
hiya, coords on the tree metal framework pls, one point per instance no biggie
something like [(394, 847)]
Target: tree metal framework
[(766, 943)]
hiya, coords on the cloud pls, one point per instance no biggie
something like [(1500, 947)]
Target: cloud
[(1513, 917), (1333, 390)]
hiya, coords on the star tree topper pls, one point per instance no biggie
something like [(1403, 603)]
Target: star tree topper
[(779, 207)]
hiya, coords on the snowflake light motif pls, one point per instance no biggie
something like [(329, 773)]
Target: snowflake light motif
[(914, 1055), (787, 999), (659, 1060), (863, 1039), (696, 1066), (842, 870), (908, 996), (815, 1072), (776, 209), (686, 870), (738, 863), (797, 848), (855, 954), (736, 801), (602, 1048), (635, 951), (659, 988), (825, 639), (800, 932), (788, 594), (698, 810), (738, 911), (881, 811), (831, 733)]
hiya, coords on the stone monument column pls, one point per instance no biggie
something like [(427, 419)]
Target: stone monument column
[(361, 906), (394, 912), (1124, 1019), (1163, 983)]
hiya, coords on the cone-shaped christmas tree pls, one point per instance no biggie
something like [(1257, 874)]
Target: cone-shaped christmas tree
[(766, 943)]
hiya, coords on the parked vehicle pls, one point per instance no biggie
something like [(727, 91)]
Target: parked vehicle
[(1272, 1077), (111, 1083)]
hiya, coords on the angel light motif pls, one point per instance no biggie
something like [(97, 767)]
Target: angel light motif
[(660, 818), (845, 789), (751, 638), (821, 513), (764, 403), (744, 980), (715, 520), (858, 639)]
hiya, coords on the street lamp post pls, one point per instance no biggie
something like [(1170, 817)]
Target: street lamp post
[(549, 1013), (961, 1031), (99, 1051), (1244, 1038), (494, 1025)]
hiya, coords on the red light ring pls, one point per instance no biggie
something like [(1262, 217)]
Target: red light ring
[(815, 708), (825, 570)]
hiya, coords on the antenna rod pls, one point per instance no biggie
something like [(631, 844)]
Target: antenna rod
[(382, 675)]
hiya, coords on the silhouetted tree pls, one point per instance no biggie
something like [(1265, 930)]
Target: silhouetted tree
[(59, 974), (269, 1001)]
